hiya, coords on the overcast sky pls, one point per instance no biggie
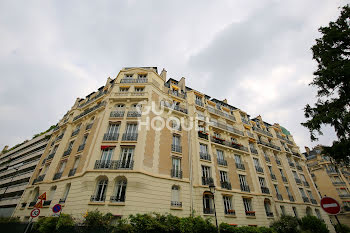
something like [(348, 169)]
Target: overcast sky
[(254, 53)]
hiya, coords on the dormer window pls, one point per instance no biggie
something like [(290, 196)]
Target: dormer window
[(142, 76), (139, 89), (129, 76), (124, 89)]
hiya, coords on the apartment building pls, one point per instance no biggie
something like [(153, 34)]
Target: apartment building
[(16, 168), (330, 180), (144, 143)]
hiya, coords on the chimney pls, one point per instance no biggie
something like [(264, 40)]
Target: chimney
[(225, 101), (182, 84), (307, 149), (163, 74), (5, 148)]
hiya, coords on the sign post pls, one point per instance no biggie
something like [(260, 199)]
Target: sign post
[(33, 214), (331, 206)]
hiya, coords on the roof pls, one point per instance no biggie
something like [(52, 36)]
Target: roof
[(285, 131)]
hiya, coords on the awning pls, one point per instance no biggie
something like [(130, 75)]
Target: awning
[(106, 147)]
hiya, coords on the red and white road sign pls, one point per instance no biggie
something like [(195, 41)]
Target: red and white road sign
[(330, 205), (35, 213)]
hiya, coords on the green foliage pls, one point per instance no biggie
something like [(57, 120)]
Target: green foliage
[(286, 224), (39, 134), (332, 78), (9, 220), (226, 228), (342, 228), (46, 225), (313, 225), (97, 222)]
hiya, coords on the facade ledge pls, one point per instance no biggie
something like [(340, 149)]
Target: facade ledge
[(204, 160), (250, 216), (208, 215), (117, 203), (175, 208), (230, 216), (96, 203), (176, 153)]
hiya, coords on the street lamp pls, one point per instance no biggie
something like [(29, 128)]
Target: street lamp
[(212, 191)]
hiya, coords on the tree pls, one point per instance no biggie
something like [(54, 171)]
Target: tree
[(332, 78)]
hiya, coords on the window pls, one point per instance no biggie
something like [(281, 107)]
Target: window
[(295, 212), (198, 98), (176, 167), (76, 162), (302, 177), (302, 192), (256, 162), (283, 210), (142, 76), (288, 191), (176, 146), (126, 157), (175, 124), (54, 149), (124, 89), (107, 154), (139, 89), (267, 205), (206, 175), (208, 203), (243, 183), (113, 129), (84, 139), (318, 213), (238, 159), (220, 155), (119, 107), (131, 128), (262, 182), (52, 193), (281, 171), (175, 196), (70, 145), (276, 189), (247, 202), (295, 174), (223, 176), (270, 169), (120, 190), (203, 148), (251, 146), (62, 166), (309, 193), (100, 191), (217, 135), (228, 205), (66, 191)]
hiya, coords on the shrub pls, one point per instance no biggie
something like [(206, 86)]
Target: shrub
[(286, 224), (313, 224), (226, 228), (46, 225), (95, 221), (342, 228), (9, 220)]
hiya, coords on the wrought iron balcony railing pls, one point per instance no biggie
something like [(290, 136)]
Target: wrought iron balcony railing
[(204, 156), (89, 126), (110, 137), (75, 132), (130, 136), (176, 148), (207, 180), (203, 135), (117, 199), (95, 198), (244, 188), (176, 204), (222, 162), (265, 190), (273, 176), (117, 114), (134, 80), (226, 185), (114, 164), (133, 113), (176, 173), (291, 198), (72, 172), (279, 196), (306, 199), (57, 176), (240, 166)]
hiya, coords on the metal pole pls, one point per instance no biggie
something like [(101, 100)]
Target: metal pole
[(216, 219), (340, 227), (30, 221)]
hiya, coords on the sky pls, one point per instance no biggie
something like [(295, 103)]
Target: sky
[(256, 54)]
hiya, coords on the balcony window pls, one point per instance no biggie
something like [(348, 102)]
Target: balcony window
[(263, 186), (100, 193), (247, 202), (142, 76), (126, 157), (208, 203), (120, 190), (112, 132), (267, 205), (203, 152), (258, 168), (220, 158), (239, 163), (295, 212), (175, 196), (176, 145), (176, 125), (176, 168), (107, 154), (139, 89), (318, 214), (278, 194), (228, 205), (283, 210), (206, 175), (243, 183), (131, 132)]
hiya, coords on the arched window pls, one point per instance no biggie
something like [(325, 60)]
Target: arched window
[(175, 196), (318, 213), (52, 193), (267, 205), (100, 193), (208, 203), (65, 194), (120, 190), (35, 194), (308, 211)]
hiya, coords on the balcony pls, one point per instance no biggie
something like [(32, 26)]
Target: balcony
[(338, 183), (176, 148), (245, 188), (306, 184), (265, 190), (261, 131), (134, 80), (332, 172), (176, 173), (174, 107), (250, 213), (40, 178), (313, 201), (32, 204), (220, 113), (237, 146), (230, 212), (81, 147), (245, 121), (227, 128), (203, 135), (249, 134), (273, 176), (67, 152), (114, 164), (47, 203), (299, 167), (50, 156), (208, 211), (291, 198), (134, 113), (218, 140), (75, 132), (267, 159), (207, 180), (226, 185), (291, 164), (222, 162), (178, 94), (110, 137), (57, 176), (306, 199), (59, 137), (297, 180), (72, 172), (204, 156), (344, 195), (279, 197), (240, 166), (129, 137), (254, 151), (89, 110), (117, 198), (176, 204), (259, 169), (199, 103), (95, 198), (101, 93), (269, 144), (89, 126), (284, 179), (117, 114), (269, 214)]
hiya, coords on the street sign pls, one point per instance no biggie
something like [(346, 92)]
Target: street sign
[(56, 208), (39, 204), (330, 205), (35, 213), (42, 196)]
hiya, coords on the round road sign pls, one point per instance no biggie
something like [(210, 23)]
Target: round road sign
[(35, 213), (56, 208), (330, 205)]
